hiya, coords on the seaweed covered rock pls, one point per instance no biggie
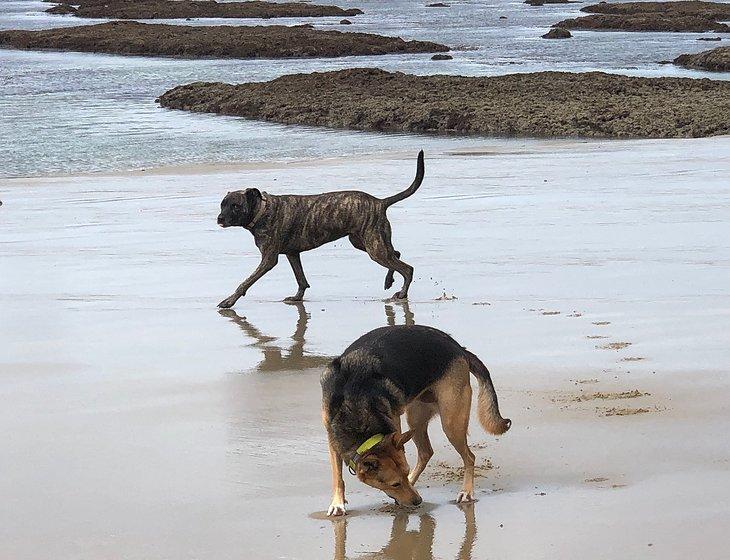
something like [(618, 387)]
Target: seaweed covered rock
[(557, 33), (690, 16), (172, 9), (715, 60), (186, 41), (590, 104)]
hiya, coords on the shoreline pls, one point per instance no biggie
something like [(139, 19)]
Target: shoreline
[(492, 146)]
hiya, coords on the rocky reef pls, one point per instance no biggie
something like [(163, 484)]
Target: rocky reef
[(689, 16), (544, 104), (185, 41), (172, 9), (715, 60)]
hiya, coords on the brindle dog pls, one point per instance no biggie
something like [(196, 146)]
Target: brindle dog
[(290, 224)]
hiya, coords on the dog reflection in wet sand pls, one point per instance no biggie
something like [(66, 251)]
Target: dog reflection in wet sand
[(275, 357), (412, 369), (410, 545)]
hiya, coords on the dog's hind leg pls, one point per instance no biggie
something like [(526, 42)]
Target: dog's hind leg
[(418, 414), (268, 261), (389, 277), (453, 394), (358, 243), (296, 264), (381, 250)]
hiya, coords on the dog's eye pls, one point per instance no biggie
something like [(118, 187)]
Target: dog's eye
[(235, 206), (396, 485)]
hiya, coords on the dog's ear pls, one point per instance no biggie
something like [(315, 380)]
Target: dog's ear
[(252, 197), (400, 441), (368, 464)]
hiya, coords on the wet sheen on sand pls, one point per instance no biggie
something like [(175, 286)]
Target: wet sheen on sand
[(139, 422)]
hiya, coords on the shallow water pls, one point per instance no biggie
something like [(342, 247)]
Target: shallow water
[(71, 112)]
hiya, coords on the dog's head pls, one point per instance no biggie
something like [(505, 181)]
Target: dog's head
[(238, 208), (386, 468)]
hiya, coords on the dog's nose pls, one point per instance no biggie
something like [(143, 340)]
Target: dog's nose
[(220, 219), (417, 501)]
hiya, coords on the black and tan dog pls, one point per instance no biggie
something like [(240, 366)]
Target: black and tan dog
[(291, 224), (413, 369)]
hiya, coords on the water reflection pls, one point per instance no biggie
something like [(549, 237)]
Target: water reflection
[(414, 544), (277, 358), (390, 316)]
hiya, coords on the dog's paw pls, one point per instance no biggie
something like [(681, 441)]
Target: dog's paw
[(291, 299), (228, 302), (400, 295), (336, 510), (464, 498), (388, 281)]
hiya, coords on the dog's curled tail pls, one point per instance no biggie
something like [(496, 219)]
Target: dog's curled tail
[(487, 406), (414, 185)]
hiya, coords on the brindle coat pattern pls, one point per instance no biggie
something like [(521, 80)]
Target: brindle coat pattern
[(291, 224)]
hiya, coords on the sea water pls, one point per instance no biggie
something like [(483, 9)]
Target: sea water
[(70, 113)]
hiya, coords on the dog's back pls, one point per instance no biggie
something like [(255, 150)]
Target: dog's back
[(396, 365), (412, 357)]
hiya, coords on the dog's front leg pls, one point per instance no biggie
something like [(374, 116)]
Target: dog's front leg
[(337, 507), (268, 261)]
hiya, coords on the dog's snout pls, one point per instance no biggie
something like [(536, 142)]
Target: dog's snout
[(417, 501), (220, 219)]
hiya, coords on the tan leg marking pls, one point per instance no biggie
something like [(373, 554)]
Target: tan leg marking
[(337, 506), (453, 396), (418, 415)]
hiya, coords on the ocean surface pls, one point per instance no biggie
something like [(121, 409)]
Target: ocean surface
[(69, 113)]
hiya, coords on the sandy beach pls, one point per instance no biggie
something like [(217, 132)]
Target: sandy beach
[(591, 277)]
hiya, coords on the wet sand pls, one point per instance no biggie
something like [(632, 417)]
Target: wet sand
[(139, 422)]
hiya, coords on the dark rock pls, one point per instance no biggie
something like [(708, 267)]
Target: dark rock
[(442, 57), (543, 2), (62, 10), (167, 9), (438, 5), (645, 22), (710, 39), (715, 60), (557, 33), (541, 104), (713, 10), (345, 22), (187, 41), (684, 15)]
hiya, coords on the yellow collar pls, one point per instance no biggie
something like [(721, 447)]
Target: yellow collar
[(365, 446)]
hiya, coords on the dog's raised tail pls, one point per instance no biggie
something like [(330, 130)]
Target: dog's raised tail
[(414, 185), (487, 406)]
